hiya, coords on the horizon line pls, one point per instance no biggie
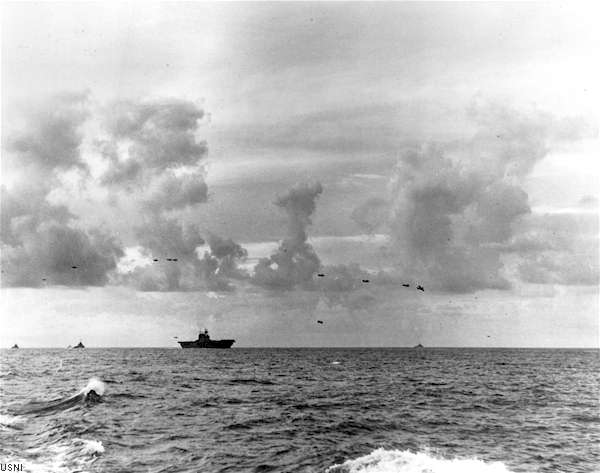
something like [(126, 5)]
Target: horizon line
[(317, 347)]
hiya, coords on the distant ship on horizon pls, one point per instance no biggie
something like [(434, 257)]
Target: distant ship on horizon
[(79, 345), (204, 341), (14, 347)]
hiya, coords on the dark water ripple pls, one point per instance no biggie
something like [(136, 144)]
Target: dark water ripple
[(303, 410)]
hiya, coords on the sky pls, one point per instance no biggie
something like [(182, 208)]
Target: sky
[(253, 168)]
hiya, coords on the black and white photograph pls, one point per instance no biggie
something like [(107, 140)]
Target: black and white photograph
[(300, 237)]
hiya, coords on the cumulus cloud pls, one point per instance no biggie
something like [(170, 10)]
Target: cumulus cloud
[(24, 207), (442, 214), (153, 136), (54, 253), (454, 208), (221, 263), (454, 211), (152, 159), (295, 261), (509, 142), (41, 241), (172, 248), (41, 245), (170, 191), (51, 134)]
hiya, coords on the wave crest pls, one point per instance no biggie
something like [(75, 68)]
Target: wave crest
[(91, 393), (94, 384), (404, 461)]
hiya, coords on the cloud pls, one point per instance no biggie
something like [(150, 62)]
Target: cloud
[(173, 245), (454, 211), (371, 215), (454, 208), (51, 135), (42, 243), (24, 207), (563, 249), (170, 191), (509, 142), (221, 263), (578, 267), (153, 166), (154, 160), (153, 136), (295, 261), (352, 128), (171, 249), (441, 215), (42, 248)]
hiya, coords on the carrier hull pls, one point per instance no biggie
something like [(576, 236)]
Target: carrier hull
[(207, 344)]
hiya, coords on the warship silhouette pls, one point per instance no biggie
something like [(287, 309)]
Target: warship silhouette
[(79, 345), (204, 341)]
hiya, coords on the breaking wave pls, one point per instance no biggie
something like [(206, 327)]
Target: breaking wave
[(404, 461), (91, 393), (58, 452)]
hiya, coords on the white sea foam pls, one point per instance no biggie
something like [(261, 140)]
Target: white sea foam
[(94, 384), (403, 461), (8, 420), (91, 447), (64, 457)]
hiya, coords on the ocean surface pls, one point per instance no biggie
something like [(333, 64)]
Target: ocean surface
[(300, 410)]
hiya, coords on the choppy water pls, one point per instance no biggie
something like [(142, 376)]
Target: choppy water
[(301, 410)]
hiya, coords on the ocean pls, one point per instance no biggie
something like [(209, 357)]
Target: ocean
[(371, 410)]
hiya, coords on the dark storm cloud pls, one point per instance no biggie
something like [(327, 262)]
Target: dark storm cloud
[(295, 261), (51, 135)]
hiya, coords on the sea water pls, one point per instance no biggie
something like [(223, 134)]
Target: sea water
[(300, 410)]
